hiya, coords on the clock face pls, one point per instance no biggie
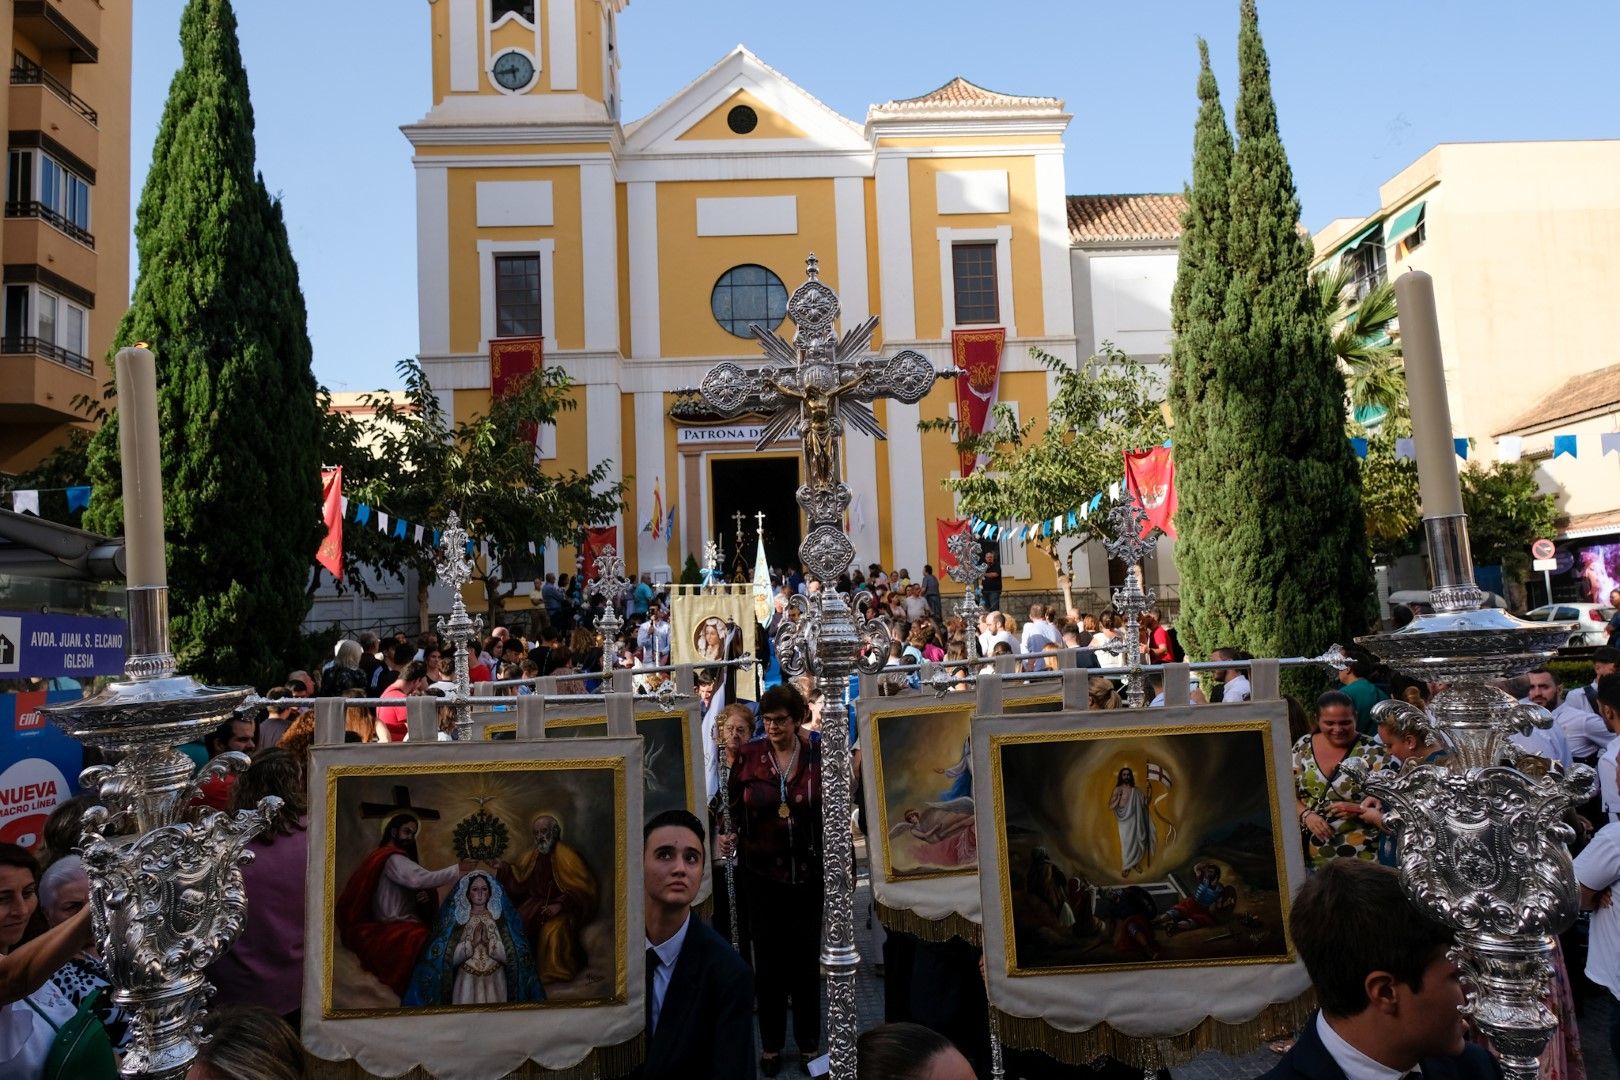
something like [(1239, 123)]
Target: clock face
[(513, 70)]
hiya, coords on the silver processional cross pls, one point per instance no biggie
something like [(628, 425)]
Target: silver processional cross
[(819, 385)]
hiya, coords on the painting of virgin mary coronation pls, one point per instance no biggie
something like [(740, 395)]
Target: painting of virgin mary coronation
[(1141, 846), (475, 886)]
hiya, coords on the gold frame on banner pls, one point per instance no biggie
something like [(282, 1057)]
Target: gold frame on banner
[(876, 755), (1263, 728), (621, 903)]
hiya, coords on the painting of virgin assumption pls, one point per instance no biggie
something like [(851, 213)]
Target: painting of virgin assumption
[(474, 886), (1142, 846)]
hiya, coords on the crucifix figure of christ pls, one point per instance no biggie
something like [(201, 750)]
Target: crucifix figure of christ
[(819, 385)]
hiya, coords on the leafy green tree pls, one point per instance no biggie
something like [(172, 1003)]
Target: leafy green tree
[(1389, 494), (484, 469), (219, 301), (1507, 512), (63, 467), (691, 573), (1370, 359), (1100, 408), (1272, 551)]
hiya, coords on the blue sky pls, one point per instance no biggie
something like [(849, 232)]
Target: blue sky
[(1362, 89)]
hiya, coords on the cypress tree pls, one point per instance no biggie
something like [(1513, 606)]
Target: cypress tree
[(1278, 559), (218, 300), (1203, 273)]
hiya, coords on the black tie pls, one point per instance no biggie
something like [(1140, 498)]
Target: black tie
[(652, 973)]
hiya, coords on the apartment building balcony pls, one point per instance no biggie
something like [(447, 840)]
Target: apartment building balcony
[(39, 381), (74, 25), (41, 102)]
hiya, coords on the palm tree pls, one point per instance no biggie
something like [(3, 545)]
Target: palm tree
[(1375, 382)]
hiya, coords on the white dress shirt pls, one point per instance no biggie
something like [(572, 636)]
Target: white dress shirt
[(1598, 867), (1550, 743), (1038, 632), (1608, 789), (1237, 689), (668, 953), (1583, 729), (1355, 1064)]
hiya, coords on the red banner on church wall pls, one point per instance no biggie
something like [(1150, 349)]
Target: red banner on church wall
[(330, 554), (511, 360), (595, 540), (947, 528), (1150, 476), (978, 354)]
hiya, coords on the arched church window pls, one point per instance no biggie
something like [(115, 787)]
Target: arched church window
[(498, 9), (748, 295)]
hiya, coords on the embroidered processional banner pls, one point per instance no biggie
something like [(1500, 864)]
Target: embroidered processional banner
[(922, 839), (484, 887), (1135, 875), (715, 623)]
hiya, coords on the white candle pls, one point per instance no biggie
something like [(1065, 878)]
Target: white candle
[(136, 373), (1426, 392)]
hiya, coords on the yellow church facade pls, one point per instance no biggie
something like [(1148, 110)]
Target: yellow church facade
[(641, 251)]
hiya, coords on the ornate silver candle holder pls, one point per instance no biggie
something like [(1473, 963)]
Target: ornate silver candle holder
[(1482, 844), (166, 893), (815, 386), (610, 584), (455, 570)]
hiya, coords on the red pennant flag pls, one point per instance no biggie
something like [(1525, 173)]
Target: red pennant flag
[(595, 541), (1150, 476), (978, 354), (330, 554), (947, 528)]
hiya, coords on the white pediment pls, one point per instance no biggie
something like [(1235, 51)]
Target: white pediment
[(660, 131)]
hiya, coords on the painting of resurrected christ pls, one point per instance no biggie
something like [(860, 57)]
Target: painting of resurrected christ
[(1140, 846), (462, 887)]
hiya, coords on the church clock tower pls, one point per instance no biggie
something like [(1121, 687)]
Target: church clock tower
[(555, 59)]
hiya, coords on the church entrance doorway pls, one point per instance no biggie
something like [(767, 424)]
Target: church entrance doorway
[(748, 486)]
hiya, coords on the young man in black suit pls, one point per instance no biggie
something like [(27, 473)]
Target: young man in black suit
[(700, 994), (1389, 994)]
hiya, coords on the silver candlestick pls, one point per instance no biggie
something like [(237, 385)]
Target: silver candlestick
[(610, 584), (1130, 546), (815, 385), (1482, 845), (969, 570), (166, 892), (726, 827), (455, 570)]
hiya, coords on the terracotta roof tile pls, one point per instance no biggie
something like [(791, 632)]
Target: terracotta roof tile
[(962, 98), (1585, 393), (1123, 218)]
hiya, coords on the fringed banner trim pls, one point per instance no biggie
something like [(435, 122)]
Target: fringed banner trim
[(1150, 1053), (939, 930), (604, 1061)]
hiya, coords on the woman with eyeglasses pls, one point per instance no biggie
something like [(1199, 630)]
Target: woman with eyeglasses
[(775, 795)]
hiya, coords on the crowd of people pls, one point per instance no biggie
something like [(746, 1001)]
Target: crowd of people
[(765, 785)]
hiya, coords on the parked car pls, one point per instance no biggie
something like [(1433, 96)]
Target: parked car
[(1591, 621)]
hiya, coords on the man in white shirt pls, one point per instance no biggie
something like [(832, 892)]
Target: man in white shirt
[(1389, 993), (1578, 715), (1597, 868), (1038, 630), (653, 637), (1541, 688), (1234, 683), (1608, 703), (997, 631), (916, 604)]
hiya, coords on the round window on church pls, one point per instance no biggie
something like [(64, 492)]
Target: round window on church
[(746, 296), (742, 119)]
